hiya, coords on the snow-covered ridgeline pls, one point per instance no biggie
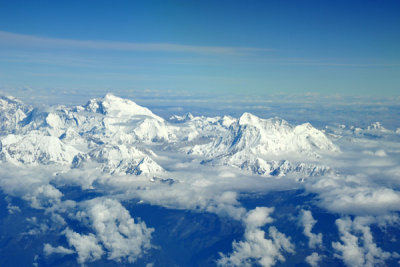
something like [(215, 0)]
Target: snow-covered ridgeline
[(105, 131), (119, 136)]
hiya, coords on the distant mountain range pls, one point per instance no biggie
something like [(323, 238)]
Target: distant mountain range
[(118, 136)]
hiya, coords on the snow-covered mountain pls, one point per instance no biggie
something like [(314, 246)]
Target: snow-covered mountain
[(118, 137), (104, 131), (114, 106), (12, 112), (254, 135), (374, 131), (35, 148), (124, 160), (264, 145)]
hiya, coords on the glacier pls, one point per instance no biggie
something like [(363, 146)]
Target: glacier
[(85, 173)]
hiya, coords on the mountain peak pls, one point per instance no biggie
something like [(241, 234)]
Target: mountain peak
[(115, 106), (12, 111), (377, 126), (272, 123), (110, 95), (180, 119), (248, 118), (189, 116), (10, 99)]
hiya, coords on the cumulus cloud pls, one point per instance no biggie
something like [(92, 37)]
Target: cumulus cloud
[(227, 204), (357, 247), (33, 185), (258, 217), (255, 248), (115, 230), (313, 259), (49, 249), (354, 194), (307, 221), (86, 246), (12, 208), (21, 181), (44, 196)]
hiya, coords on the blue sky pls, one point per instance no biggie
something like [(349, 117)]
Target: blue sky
[(259, 47)]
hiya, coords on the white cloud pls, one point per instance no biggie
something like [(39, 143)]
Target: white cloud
[(197, 189), (86, 246), (12, 208), (49, 249), (378, 153), (357, 247), (255, 248), (258, 217), (33, 185), (313, 259), (23, 180), (116, 230), (226, 204), (37, 41), (357, 195), (44, 196), (307, 221)]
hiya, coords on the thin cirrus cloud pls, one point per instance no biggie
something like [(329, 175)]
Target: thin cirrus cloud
[(14, 39)]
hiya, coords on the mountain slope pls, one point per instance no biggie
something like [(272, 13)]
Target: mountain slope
[(35, 148), (12, 112)]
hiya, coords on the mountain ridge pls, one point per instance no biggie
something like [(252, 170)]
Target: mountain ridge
[(107, 131)]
